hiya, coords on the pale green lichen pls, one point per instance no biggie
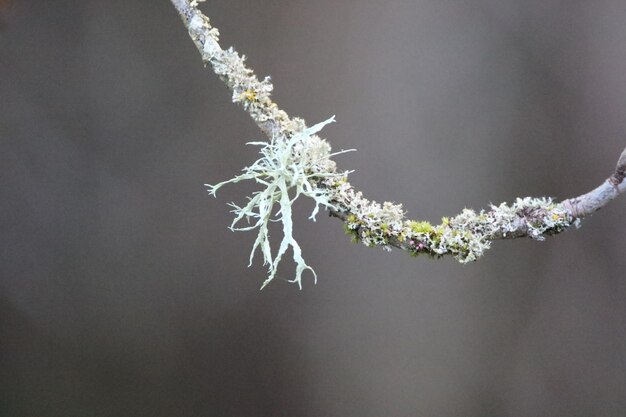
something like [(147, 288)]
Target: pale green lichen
[(252, 94), (288, 168), (466, 236)]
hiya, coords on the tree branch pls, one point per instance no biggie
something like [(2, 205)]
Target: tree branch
[(297, 159)]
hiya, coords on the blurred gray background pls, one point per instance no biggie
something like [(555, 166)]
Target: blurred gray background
[(123, 293)]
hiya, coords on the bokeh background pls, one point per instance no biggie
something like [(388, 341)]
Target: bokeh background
[(123, 293)]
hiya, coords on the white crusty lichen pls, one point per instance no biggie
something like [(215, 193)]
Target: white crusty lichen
[(297, 162), (288, 168), (252, 94), (466, 236)]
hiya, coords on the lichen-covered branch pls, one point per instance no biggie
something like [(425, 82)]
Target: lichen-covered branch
[(295, 161)]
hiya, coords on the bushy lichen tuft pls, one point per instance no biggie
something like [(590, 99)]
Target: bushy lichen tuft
[(288, 168)]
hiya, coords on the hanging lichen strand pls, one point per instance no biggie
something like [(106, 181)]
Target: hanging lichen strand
[(297, 162)]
